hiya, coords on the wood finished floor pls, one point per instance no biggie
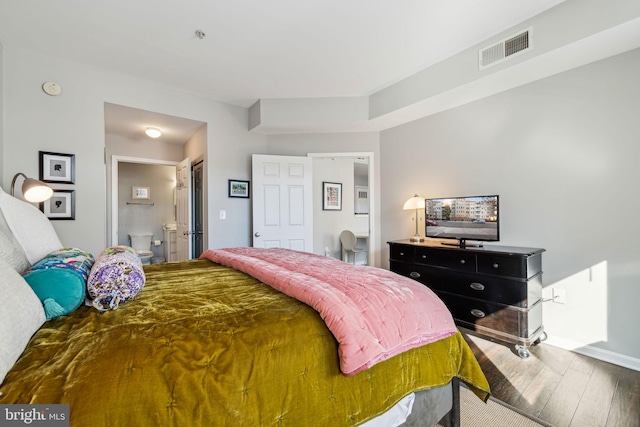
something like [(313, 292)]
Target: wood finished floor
[(562, 388)]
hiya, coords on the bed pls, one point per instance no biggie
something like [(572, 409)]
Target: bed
[(204, 344)]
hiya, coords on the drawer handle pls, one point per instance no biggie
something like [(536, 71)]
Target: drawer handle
[(477, 313), (477, 286), (495, 265), (462, 261), (414, 275), (424, 257), (401, 253)]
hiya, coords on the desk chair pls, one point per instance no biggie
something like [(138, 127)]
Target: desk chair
[(348, 240)]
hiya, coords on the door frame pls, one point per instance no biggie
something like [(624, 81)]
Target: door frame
[(194, 163), (374, 245), (115, 160)]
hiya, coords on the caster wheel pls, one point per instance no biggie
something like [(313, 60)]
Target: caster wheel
[(542, 337), (523, 351)]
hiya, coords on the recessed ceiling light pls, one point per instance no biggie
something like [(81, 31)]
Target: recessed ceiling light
[(153, 132)]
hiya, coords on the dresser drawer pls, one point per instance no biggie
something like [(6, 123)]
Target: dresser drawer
[(402, 253), (519, 293), (511, 266), (409, 270), (462, 261), (506, 320), (478, 313)]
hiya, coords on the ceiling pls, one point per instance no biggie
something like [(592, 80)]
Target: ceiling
[(255, 49), (132, 122)]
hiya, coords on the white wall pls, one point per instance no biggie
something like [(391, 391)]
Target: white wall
[(196, 147), (116, 145), (562, 154), (74, 123)]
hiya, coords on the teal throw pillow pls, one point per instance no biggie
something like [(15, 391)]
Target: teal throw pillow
[(60, 280)]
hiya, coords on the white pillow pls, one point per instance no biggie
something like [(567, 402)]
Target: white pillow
[(31, 228), (10, 249), (21, 314)]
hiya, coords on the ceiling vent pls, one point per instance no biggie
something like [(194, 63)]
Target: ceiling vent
[(505, 49)]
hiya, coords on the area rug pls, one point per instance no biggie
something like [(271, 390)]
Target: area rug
[(475, 413)]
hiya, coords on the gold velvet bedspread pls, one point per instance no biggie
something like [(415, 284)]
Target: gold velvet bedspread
[(205, 345)]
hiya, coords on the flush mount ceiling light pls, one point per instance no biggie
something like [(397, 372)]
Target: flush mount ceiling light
[(153, 132)]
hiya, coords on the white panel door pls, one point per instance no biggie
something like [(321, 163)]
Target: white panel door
[(282, 202), (183, 210)]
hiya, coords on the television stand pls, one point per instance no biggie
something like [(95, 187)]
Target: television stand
[(494, 290), (462, 243)]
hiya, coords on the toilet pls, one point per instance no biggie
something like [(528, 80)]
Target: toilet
[(141, 243)]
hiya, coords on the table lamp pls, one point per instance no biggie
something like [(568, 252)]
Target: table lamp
[(417, 203)]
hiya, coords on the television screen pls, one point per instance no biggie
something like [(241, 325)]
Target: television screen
[(463, 218)]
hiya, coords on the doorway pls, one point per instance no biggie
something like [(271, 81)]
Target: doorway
[(369, 220), (157, 210), (126, 141)]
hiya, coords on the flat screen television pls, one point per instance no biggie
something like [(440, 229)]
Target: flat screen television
[(475, 218)]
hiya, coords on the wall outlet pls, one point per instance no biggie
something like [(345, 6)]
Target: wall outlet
[(223, 214), (327, 252), (559, 296)]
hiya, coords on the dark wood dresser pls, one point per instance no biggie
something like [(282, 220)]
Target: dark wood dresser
[(493, 290)]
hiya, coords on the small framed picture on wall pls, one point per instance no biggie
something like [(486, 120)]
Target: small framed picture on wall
[(331, 196), (57, 167), (140, 193), (62, 205), (238, 188)]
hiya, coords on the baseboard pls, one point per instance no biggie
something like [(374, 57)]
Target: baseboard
[(596, 353)]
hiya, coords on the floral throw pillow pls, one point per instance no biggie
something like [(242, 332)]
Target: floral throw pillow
[(116, 277)]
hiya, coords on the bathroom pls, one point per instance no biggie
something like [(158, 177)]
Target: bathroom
[(146, 206)]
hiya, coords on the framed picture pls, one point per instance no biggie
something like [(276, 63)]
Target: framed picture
[(140, 193), (238, 188), (331, 196), (62, 205), (57, 167)]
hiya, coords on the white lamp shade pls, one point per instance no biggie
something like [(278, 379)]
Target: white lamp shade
[(416, 202), (36, 191)]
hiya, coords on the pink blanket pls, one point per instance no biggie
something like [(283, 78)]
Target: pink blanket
[(374, 314)]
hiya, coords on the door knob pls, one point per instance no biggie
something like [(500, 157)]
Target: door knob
[(257, 234)]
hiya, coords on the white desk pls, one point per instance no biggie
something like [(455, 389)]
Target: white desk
[(362, 242)]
